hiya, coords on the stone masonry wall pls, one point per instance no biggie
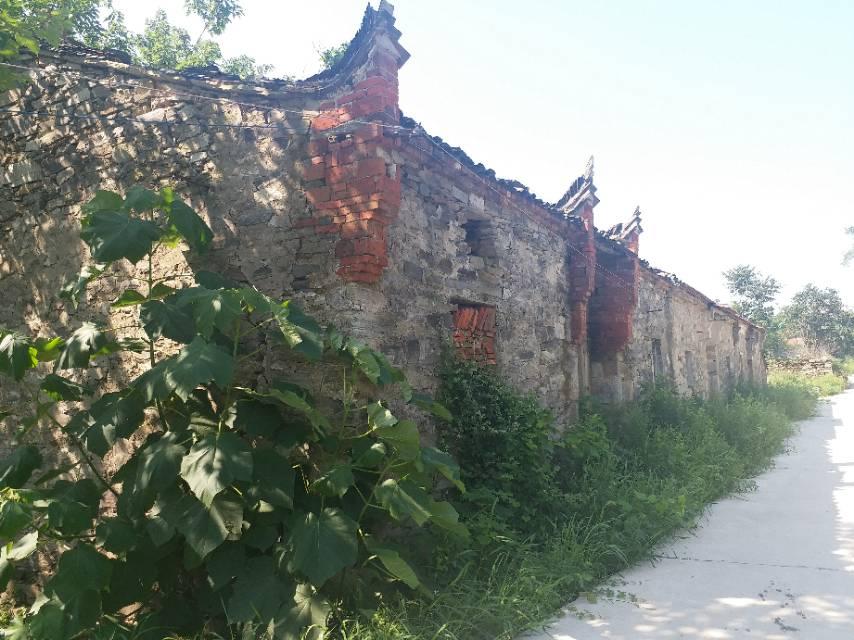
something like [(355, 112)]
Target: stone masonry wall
[(321, 191)]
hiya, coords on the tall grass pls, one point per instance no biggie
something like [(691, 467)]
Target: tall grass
[(827, 384), (623, 480)]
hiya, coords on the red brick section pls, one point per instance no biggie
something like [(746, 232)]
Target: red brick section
[(349, 178), (612, 306), (582, 272), (474, 333)]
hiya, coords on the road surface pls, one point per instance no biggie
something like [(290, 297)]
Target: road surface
[(775, 564)]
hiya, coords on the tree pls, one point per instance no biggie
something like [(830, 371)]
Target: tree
[(754, 294), (820, 317), (26, 24), (329, 57), (246, 510)]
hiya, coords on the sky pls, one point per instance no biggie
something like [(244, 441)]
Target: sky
[(729, 123)]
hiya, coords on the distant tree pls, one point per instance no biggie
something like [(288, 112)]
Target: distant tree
[(753, 297), (820, 318), (753, 293), (245, 67), (114, 34), (330, 56)]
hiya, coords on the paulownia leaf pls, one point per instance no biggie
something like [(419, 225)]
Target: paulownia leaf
[(427, 403), (113, 235), (168, 320), (258, 592), (335, 481), (83, 344), (403, 436), (74, 290), (303, 619), (113, 416), (80, 569), (140, 199), (404, 499), (159, 463), (191, 227), (17, 355), (129, 298), (13, 518), (72, 505), (323, 544), (214, 463), (301, 332), (379, 416), (11, 553), (211, 308), (224, 564), (274, 477), (117, 535), (198, 363), (48, 349), (297, 399), (393, 562), (444, 463), (17, 468), (60, 388), (103, 201), (368, 454)]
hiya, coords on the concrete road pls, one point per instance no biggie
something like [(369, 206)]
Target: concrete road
[(775, 564)]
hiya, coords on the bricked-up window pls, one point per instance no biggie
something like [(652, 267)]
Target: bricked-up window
[(690, 373), (657, 362), (474, 333)]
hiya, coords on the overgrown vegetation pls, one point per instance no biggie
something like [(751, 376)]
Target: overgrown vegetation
[(609, 489), (244, 511), (827, 384)]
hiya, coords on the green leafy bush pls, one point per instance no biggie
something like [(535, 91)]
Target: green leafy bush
[(245, 511), (624, 478), (827, 384), (504, 443)]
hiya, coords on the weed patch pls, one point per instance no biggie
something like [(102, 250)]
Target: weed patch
[(551, 518)]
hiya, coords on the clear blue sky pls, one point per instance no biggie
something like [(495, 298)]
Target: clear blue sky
[(729, 123)]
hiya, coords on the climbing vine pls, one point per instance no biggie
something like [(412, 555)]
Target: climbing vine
[(246, 510)]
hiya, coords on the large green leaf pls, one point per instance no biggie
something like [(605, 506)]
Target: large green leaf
[(117, 535), (80, 568), (13, 518), (257, 418), (379, 416), (403, 436), (168, 320), (86, 342), (198, 363), (17, 468), (103, 201), (71, 506), (60, 388), (113, 235), (404, 499), (323, 544), (444, 463), (113, 416), (214, 463), (427, 403), (17, 355), (301, 332), (335, 481), (159, 463), (140, 199), (204, 529), (258, 592), (224, 564), (75, 290), (274, 477), (190, 225), (10, 553), (129, 298), (393, 562), (297, 399), (303, 619), (211, 309)]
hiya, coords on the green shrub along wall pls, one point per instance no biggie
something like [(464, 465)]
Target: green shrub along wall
[(551, 516)]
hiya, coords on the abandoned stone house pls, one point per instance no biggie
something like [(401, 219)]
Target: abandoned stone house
[(323, 191)]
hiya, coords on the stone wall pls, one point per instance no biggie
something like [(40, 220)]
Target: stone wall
[(322, 191)]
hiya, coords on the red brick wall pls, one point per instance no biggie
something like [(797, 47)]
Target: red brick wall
[(612, 306), (474, 333)]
